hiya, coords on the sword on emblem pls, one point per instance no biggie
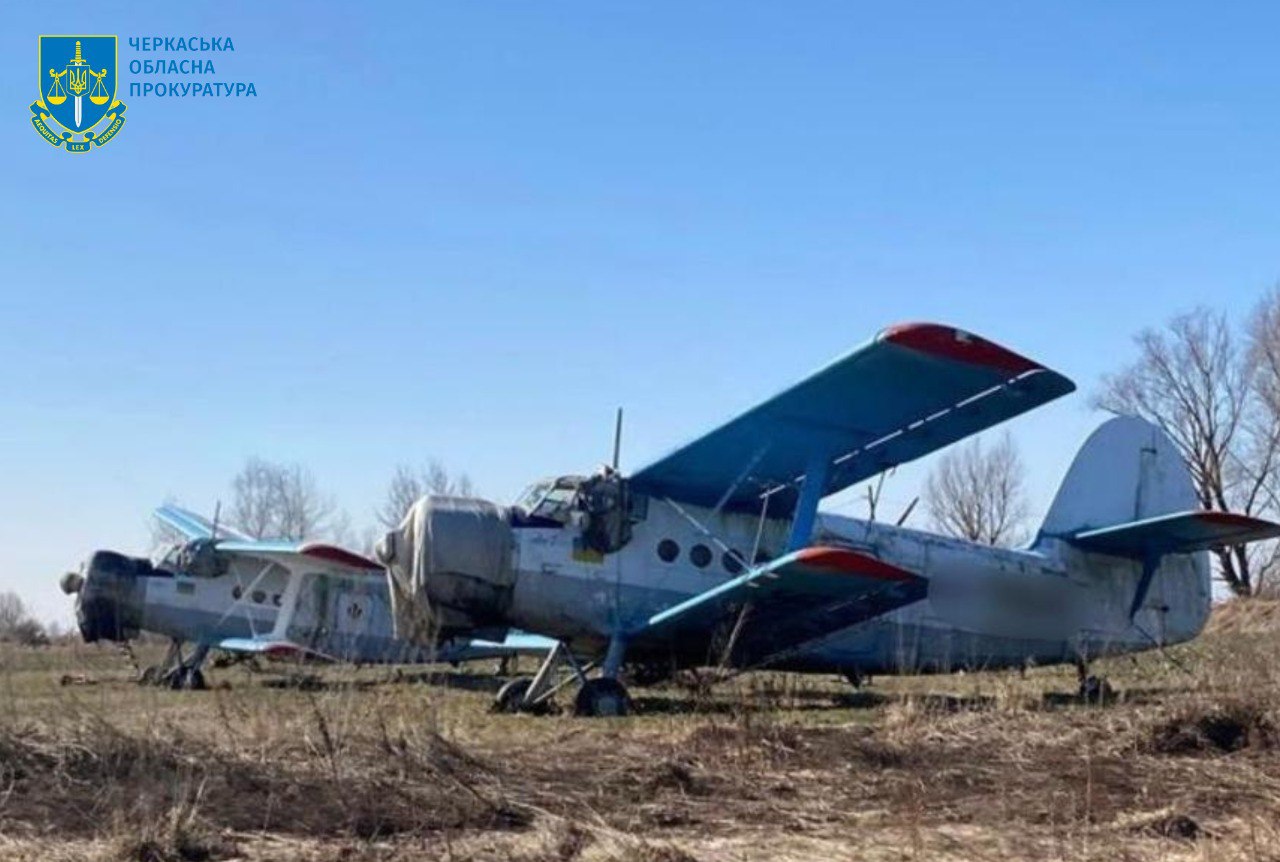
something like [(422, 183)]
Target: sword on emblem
[(78, 72), (77, 79)]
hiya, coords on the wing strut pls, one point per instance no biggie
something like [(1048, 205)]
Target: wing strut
[(815, 482)]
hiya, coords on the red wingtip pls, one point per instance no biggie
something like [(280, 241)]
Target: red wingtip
[(851, 562), (335, 554), (948, 342), (1234, 519)]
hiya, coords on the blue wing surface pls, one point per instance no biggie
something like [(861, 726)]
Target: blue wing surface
[(911, 390), (794, 600), (1179, 533)]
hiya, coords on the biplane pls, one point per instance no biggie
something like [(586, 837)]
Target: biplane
[(218, 589), (717, 553)]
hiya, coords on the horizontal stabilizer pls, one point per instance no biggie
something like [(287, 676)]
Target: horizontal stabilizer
[(795, 600), (1179, 533)]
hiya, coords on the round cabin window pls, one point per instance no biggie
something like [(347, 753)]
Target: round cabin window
[(668, 550), (700, 556)]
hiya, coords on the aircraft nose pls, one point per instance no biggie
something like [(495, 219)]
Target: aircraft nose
[(109, 598)]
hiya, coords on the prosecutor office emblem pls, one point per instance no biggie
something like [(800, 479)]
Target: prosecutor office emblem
[(78, 107)]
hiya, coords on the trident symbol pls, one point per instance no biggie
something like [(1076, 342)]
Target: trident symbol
[(77, 74)]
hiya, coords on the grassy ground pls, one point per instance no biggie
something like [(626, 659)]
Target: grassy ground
[(371, 765)]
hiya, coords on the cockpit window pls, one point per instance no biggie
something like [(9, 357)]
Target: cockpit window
[(167, 558), (554, 499), (531, 496)]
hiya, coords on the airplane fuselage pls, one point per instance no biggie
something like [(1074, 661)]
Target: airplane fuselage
[(326, 610), (986, 607)]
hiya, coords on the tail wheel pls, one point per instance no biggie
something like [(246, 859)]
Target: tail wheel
[(602, 697)]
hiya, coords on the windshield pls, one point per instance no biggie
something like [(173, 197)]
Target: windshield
[(553, 499), (531, 496), (167, 557)]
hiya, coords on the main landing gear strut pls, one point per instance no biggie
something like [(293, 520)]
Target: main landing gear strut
[(1093, 689), (600, 696), (177, 672)]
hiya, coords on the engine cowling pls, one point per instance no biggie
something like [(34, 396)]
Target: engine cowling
[(449, 566), (109, 601)]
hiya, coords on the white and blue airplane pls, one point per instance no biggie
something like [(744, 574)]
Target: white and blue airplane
[(716, 554), (221, 590)]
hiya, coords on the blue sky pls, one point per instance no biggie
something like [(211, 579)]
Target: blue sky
[(469, 230)]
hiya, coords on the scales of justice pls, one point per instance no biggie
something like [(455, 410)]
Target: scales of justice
[(77, 74)]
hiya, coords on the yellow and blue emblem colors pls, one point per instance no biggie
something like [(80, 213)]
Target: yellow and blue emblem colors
[(78, 76)]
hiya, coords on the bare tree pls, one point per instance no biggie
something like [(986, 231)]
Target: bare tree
[(1217, 396), (278, 501), (408, 484), (977, 494), (12, 611), (18, 626)]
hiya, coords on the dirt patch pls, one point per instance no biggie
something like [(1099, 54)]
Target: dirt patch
[(779, 744), (1220, 727)]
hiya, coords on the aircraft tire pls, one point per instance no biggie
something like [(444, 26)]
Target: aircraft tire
[(152, 674), (1096, 690), (510, 698), (602, 698)]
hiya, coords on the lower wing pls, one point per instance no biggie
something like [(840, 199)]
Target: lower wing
[(793, 601)]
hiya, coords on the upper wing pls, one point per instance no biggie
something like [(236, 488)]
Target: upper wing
[(795, 600), (193, 526), (1179, 533), (314, 550), (912, 390)]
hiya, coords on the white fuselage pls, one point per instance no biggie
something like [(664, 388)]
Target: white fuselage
[(986, 606)]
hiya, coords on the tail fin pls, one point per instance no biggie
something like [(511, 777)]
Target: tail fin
[(1128, 470), (1129, 494)]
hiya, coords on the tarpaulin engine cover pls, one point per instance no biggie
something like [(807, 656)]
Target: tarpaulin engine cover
[(448, 566)]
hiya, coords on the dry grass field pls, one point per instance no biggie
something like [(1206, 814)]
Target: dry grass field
[(375, 764)]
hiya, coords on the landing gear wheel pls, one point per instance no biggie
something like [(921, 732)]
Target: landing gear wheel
[(510, 698), (151, 675), (184, 679), (855, 678), (602, 698), (1095, 689)]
